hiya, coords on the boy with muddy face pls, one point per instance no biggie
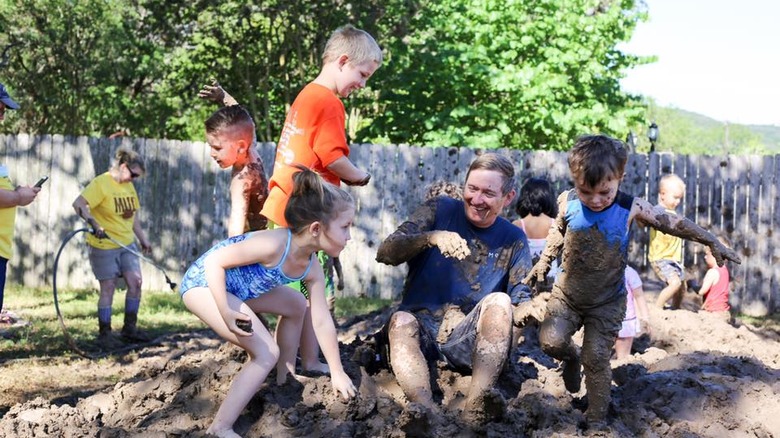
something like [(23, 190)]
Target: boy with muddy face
[(593, 229), (465, 269)]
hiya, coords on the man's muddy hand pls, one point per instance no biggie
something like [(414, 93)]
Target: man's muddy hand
[(450, 244), (722, 252)]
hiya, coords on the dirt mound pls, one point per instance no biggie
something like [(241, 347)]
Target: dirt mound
[(698, 377)]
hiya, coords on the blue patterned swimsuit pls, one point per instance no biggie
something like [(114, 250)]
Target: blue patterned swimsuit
[(245, 282)]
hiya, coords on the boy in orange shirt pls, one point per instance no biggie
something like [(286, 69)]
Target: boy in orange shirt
[(314, 136)]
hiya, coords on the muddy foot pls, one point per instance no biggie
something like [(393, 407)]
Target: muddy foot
[(136, 335), (487, 407), (315, 370), (415, 420), (109, 341)]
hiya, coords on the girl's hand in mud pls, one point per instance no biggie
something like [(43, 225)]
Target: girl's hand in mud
[(343, 385), (722, 252), (232, 320), (450, 244)]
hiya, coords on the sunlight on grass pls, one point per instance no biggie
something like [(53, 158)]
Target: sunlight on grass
[(161, 313)]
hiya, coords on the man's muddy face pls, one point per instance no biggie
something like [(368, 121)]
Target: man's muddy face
[(483, 198)]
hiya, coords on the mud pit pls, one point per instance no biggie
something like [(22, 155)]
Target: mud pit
[(699, 376)]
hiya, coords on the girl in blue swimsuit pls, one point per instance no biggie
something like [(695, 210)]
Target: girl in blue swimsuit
[(246, 274)]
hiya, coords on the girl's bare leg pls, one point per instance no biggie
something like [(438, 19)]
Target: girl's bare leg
[(260, 347), (290, 305)]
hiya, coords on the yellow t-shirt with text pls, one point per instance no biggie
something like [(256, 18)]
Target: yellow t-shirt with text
[(114, 206)]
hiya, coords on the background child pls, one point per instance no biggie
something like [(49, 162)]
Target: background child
[(230, 132), (665, 250), (314, 136), (715, 286), (537, 209), (636, 319), (246, 274), (593, 230)]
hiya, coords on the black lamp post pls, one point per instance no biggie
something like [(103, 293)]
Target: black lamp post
[(652, 135), (631, 141)]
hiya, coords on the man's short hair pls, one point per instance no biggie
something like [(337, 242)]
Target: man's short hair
[(498, 163)]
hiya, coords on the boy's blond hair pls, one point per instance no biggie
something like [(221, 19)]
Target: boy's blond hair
[(670, 178), (357, 44)]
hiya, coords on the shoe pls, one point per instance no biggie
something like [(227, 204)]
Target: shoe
[(572, 378), (130, 330)]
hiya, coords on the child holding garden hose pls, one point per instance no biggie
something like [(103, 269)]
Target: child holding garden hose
[(110, 205)]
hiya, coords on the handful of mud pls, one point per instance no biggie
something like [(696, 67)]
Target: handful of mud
[(244, 325)]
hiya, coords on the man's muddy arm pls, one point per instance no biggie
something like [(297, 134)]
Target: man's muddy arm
[(416, 234), (682, 227), (400, 247)]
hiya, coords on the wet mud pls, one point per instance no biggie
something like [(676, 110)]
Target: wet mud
[(698, 376)]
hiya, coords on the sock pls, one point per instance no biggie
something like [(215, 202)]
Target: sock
[(132, 305), (104, 314)]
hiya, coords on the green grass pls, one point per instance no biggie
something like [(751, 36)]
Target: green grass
[(161, 313)]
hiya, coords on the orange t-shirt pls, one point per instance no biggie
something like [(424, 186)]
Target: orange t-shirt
[(314, 136)]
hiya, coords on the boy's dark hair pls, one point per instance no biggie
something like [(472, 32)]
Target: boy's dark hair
[(313, 200), (228, 116), (597, 157), (498, 163), (537, 197), (129, 158)]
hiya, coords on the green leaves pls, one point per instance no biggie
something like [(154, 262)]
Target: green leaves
[(487, 73)]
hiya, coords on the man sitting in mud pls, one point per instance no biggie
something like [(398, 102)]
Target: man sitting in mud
[(465, 269)]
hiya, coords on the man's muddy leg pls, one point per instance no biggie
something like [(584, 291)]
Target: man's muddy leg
[(408, 362), (596, 351), (493, 339)]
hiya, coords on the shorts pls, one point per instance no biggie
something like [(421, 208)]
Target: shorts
[(630, 328), (665, 269), (457, 350), (108, 264)]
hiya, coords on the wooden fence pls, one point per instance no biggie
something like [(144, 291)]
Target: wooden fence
[(185, 205)]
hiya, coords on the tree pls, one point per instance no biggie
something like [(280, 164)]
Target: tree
[(507, 73)]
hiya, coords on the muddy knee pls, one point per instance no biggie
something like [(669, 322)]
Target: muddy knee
[(403, 328), (495, 319), (555, 339)]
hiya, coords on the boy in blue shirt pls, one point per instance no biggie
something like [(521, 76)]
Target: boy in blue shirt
[(593, 230)]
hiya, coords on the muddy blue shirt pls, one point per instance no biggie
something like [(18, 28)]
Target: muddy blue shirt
[(499, 260), (595, 249)]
